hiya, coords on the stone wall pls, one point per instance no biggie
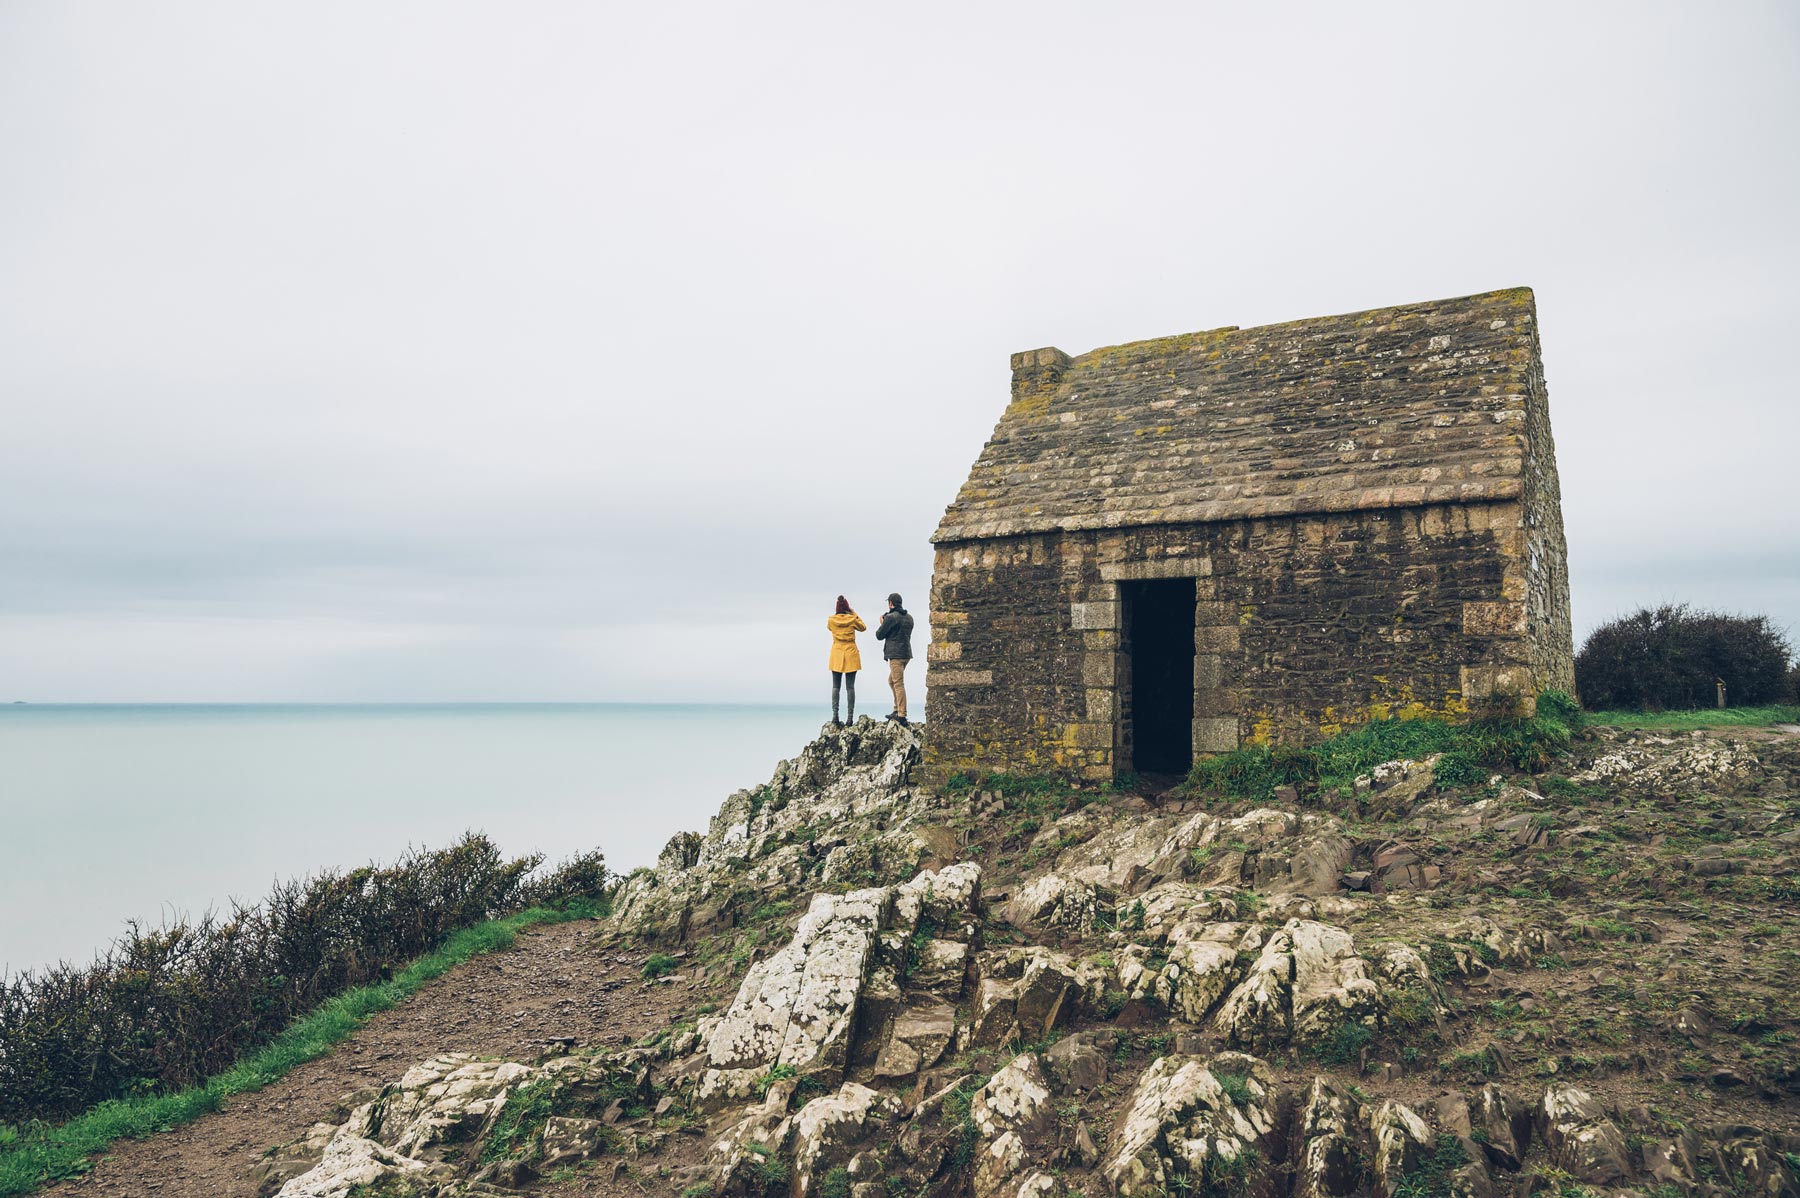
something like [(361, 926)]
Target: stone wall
[(1547, 552), (1303, 625)]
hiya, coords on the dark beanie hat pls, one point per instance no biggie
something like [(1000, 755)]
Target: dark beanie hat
[(895, 599), (843, 606)]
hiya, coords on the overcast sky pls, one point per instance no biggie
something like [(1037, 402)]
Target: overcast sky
[(448, 351)]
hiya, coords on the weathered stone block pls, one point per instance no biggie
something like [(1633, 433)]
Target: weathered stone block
[(1094, 615), (1217, 639), (1209, 671), (1493, 619), (1218, 701), (1215, 735), (1215, 613), (948, 678), (1099, 669), (1093, 736)]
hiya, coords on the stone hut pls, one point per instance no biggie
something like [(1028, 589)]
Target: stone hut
[(1180, 546)]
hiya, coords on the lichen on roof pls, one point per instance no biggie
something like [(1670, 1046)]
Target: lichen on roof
[(1423, 403)]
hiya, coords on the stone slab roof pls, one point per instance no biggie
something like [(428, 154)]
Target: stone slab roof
[(1424, 403)]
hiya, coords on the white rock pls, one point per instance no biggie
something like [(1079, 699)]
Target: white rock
[(1197, 975), (1399, 1136), (1012, 1119), (1182, 1121), (827, 1127), (355, 1161), (1053, 901), (797, 1007)]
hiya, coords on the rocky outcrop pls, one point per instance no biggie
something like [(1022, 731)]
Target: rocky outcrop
[(440, 1101), (1013, 1122), (1327, 1151), (1206, 1125), (799, 1010), (1582, 1140), (1054, 901), (827, 1129), (1648, 763), (845, 805), (1126, 995), (1023, 994), (414, 1132), (1309, 981), (1269, 849)]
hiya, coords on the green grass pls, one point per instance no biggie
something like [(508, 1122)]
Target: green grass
[(31, 1157), (1333, 765), (1689, 721)]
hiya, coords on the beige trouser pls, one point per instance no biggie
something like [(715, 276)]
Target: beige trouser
[(897, 681)]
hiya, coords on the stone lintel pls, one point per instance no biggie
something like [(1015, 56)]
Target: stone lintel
[(1168, 567)]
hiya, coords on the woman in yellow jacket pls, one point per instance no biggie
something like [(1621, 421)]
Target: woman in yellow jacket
[(845, 660)]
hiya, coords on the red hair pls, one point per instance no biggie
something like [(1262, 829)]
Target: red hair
[(843, 608)]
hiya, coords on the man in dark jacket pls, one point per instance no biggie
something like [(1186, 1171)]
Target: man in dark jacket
[(895, 633)]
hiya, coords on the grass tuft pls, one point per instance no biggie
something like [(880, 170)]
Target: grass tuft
[(1693, 721), (1333, 765)]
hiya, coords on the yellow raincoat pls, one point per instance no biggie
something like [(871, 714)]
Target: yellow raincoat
[(844, 656)]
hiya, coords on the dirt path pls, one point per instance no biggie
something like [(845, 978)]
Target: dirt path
[(555, 981)]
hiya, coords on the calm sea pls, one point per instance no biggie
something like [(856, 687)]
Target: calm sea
[(109, 813)]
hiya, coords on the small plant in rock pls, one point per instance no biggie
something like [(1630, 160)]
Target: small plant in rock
[(959, 1111), (1431, 1177), (658, 965), (773, 1171), (1236, 1087), (1476, 1065), (1411, 1007), (1229, 1176), (1345, 1045), (1133, 919), (522, 1117), (776, 1073), (836, 1183)]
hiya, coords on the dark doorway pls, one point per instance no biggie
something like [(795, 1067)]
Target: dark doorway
[(1159, 627)]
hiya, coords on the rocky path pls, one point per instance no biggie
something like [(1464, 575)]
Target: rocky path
[(556, 981)]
